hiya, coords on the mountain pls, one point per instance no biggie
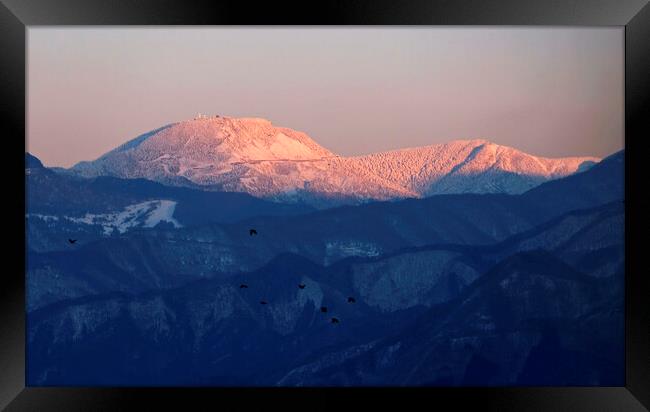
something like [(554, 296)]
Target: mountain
[(32, 162), (603, 182), (529, 320), (252, 155), (468, 289), (469, 166), (60, 205), (169, 256), (439, 315), (242, 155)]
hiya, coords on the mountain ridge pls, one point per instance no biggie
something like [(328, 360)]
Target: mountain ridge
[(254, 156), (329, 236)]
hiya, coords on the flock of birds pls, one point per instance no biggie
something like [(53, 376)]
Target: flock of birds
[(253, 232), (323, 309)]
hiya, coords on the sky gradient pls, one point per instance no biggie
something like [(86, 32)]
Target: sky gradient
[(547, 91)]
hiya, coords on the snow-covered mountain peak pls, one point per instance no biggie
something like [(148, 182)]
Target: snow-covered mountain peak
[(223, 138), (206, 151), (253, 155)]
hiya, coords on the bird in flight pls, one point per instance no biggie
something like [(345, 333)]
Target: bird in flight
[(323, 309), (243, 286), (252, 232), (351, 299), (334, 320), (263, 302), (301, 286), (72, 241)]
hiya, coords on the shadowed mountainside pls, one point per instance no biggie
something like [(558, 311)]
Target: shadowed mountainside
[(414, 309), (456, 289)]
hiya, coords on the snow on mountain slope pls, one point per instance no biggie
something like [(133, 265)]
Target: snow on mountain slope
[(146, 214), (476, 166), (254, 156), (245, 155), (204, 148)]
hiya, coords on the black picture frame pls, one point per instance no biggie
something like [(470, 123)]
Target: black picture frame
[(17, 15)]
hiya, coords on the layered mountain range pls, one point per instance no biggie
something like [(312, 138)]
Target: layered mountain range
[(540, 308), (468, 263), (209, 246), (252, 155)]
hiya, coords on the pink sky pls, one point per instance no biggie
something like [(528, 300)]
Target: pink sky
[(547, 91)]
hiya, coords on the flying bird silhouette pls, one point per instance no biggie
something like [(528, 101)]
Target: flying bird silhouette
[(301, 286), (252, 232), (263, 302), (351, 299), (243, 286), (72, 241), (334, 320), (323, 309)]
